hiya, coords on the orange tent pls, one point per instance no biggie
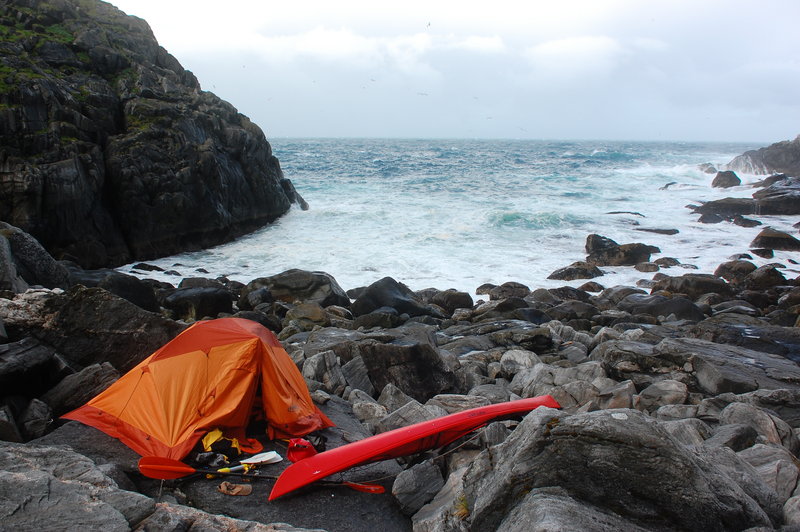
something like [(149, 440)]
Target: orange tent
[(205, 378)]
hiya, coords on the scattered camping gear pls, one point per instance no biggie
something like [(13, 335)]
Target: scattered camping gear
[(228, 488), (269, 457), (168, 469), (401, 442), (299, 449), (205, 378)]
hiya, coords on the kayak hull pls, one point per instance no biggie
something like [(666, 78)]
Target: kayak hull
[(401, 442)]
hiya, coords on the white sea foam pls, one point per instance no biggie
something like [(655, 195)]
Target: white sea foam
[(457, 214)]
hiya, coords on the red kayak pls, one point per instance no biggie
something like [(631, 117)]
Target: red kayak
[(401, 442)]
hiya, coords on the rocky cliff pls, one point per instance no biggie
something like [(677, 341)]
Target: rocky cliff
[(781, 157), (110, 151)]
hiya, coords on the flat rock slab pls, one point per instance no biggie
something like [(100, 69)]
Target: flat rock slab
[(726, 368)]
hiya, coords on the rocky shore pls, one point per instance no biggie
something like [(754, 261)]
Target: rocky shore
[(680, 397)]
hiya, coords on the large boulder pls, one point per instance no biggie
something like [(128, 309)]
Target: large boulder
[(770, 238), (389, 293), (296, 285), (89, 325), (608, 460), (657, 305), (780, 198), (693, 285), (576, 270), (726, 179)]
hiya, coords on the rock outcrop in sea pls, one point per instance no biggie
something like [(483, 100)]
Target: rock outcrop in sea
[(110, 152), (778, 158)]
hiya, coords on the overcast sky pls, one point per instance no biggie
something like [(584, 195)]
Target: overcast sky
[(559, 69)]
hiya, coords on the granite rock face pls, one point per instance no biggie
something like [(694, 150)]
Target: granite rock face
[(110, 151)]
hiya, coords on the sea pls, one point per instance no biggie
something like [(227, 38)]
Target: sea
[(462, 213)]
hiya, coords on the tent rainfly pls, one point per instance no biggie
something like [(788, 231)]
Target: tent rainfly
[(205, 378)]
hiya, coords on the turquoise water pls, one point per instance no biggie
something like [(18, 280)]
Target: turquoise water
[(460, 213)]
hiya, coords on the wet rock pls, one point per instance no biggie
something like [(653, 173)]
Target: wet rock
[(452, 299), (783, 156), (296, 285), (693, 285), (131, 288), (416, 486), (741, 221), (603, 251), (748, 332), (726, 208), (726, 179), (735, 271), (661, 306), (508, 290), (723, 368), (389, 293), (780, 198), (763, 278), (576, 270), (384, 317), (773, 239)]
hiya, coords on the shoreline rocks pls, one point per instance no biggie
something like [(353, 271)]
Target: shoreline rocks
[(702, 368)]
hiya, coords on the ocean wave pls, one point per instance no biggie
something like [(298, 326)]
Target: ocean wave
[(536, 220)]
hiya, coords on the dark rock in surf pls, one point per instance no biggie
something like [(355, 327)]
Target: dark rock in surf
[(603, 251), (726, 179), (773, 239), (735, 271), (741, 221), (781, 157), (576, 270)]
